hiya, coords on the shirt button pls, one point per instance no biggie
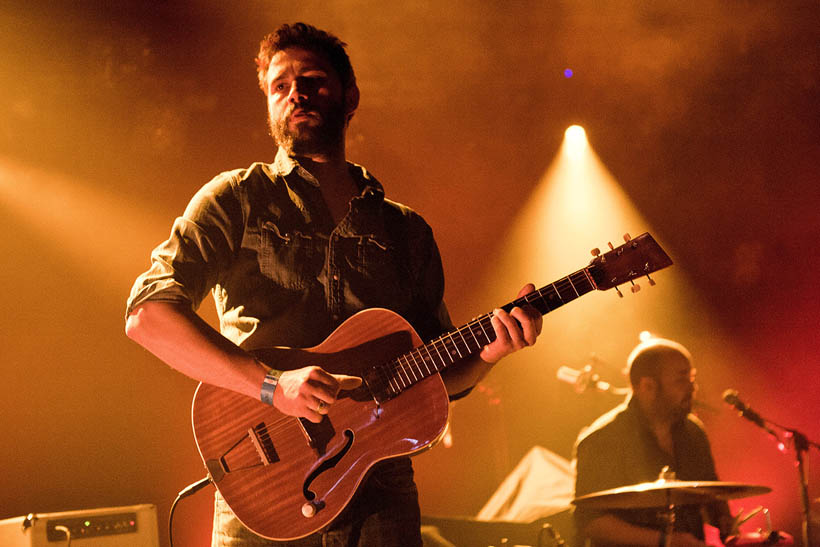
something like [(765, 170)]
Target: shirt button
[(335, 277)]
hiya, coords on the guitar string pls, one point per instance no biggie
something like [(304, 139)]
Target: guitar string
[(403, 368), (480, 324), (265, 433), (398, 368), (450, 346)]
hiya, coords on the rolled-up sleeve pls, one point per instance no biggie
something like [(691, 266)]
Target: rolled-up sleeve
[(189, 263)]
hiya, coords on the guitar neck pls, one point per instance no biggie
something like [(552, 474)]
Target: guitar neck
[(390, 379)]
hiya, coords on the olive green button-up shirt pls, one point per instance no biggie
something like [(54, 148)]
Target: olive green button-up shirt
[(282, 273)]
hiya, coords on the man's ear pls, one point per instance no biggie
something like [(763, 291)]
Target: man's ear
[(647, 386), (351, 99)]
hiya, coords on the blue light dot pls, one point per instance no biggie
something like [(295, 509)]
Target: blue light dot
[(568, 73)]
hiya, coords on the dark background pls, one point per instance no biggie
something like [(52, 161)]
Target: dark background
[(704, 112)]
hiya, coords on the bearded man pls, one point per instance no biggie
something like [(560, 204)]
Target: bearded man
[(290, 250), (631, 444)]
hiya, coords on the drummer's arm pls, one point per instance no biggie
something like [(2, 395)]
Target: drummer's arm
[(609, 529)]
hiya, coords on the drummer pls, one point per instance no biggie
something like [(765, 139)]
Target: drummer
[(633, 442)]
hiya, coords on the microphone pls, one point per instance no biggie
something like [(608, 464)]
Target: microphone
[(584, 379), (730, 396)]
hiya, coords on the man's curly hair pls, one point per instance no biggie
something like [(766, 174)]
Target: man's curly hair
[(307, 37)]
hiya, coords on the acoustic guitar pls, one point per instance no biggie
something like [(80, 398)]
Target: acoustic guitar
[(286, 477)]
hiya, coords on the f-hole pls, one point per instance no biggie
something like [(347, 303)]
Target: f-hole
[(325, 465)]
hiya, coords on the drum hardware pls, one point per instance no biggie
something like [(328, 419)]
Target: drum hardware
[(759, 538), (667, 492)]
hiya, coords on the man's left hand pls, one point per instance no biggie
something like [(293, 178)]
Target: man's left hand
[(514, 330)]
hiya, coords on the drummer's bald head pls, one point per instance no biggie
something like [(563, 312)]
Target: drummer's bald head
[(648, 357)]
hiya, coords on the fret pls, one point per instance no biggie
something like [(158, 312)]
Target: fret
[(446, 351), (443, 363), (589, 279), (546, 300), (567, 284), (401, 369), (418, 360), (581, 276), (394, 385), (467, 349), (558, 294), (407, 368), (571, 284), (414, 367), (431, 359), (486, 336), (455, 345), (489, 324), (477, 343)]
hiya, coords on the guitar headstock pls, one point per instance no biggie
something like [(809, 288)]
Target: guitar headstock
[(636, 258)]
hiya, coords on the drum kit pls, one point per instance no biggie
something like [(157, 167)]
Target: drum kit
[(666, 494)]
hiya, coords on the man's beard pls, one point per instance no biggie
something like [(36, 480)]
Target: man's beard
[(676, 411), (682, 409), (305, 139)]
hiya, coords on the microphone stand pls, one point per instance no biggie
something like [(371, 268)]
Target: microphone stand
[(801, 446)]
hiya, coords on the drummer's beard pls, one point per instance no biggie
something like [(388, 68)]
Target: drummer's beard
[(676, 411), (682, 409)]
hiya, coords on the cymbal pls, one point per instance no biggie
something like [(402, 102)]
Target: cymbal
[(661, 493)]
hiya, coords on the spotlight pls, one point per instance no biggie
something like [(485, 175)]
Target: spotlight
[(575, 139)]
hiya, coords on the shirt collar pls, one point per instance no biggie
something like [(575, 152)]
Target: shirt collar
[(284, 165)]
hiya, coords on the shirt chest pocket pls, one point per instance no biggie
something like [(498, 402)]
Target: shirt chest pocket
[(292, 259), (377, 272)]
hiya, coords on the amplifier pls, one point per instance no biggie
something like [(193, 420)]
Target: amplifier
[(128, 526)]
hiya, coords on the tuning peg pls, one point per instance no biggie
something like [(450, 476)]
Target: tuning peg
[(611, 246), (627, 237), (620, 294), (635, 287), (651, 281), (596, 251)]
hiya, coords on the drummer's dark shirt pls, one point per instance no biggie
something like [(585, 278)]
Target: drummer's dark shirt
[(620, 449)]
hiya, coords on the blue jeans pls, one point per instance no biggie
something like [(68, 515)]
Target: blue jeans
[(384, 513)]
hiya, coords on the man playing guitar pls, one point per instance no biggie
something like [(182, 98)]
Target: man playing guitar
[(290, 250)]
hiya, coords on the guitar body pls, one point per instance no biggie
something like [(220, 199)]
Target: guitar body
[(286, 478), (273, 469)]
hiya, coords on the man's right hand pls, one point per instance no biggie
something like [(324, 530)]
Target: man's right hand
[(310, 391)]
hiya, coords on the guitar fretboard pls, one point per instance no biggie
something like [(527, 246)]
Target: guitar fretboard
[(390, 379)]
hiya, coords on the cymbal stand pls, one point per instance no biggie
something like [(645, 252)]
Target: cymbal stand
[(668, 515)]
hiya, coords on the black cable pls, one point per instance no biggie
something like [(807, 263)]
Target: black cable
[(184, 493)]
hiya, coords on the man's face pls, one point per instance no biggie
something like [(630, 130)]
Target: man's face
[(306, 103), (677, 385)]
